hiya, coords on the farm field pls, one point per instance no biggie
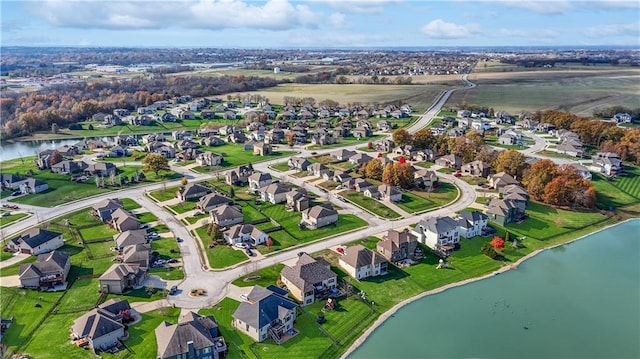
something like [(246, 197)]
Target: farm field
[(419, 96), (578, 91)]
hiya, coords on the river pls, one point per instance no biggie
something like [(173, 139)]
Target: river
[(579, 300), (13, 150)]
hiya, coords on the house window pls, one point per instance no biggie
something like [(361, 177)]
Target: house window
[(206, 350), (331, 280), (246, 327)]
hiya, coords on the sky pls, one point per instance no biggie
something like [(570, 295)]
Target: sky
[(319, 23)]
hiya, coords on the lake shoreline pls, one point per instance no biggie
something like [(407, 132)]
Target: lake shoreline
[(386, 315)]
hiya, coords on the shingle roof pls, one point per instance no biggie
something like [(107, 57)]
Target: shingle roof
[(102, 320), (263, 307), (132, 237), (307, 271), (359, 256), (36, 236), (226, 211), (52, 262), (172, 339), (121, 271), (319, 212), (439, 225)]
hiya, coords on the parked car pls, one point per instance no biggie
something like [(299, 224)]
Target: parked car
[(6, 214), (153, 235), (172, 260), (143, 225), (249, 252), (15, 193), (241, 245), (179, 240), (457, 174), (244, 296), (173, 290)]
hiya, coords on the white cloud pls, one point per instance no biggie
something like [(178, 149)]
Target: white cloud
[(337, 20), (438, 28), (202, 14), (541, 7), (611, 4), (357, 6), (632, 29)]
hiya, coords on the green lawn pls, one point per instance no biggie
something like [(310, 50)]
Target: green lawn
[(234, 155), (424, 164), (169, 273), (193, 219), (97, 232), (263, 277), (237, 342), (165, 194), (166, 247), (220, 256), (281, 167), (420, 201), (62, 189), (369, 204), (146, 217), (630, 181), (347, 141), (608, 194), (5, 221), (183, 207), (130, 204)]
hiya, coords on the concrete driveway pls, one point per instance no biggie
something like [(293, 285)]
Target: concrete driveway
[(10, 281)]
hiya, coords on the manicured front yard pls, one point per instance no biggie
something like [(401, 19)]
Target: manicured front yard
[(169, 273), (281, 167), (5, 221), (220, 256), (234, 155), (165, 194), (369, 204), (420, 201)]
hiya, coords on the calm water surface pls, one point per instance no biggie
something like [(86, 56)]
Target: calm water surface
[(581, 300)]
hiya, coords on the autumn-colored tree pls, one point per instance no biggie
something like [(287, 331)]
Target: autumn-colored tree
[(537, 176), (402, 159), (511, 162), (487, 154), (370, 145), (424, 139), (155, 163), (184, 181), (402, 175), (569, 189), (269, 242), (497, 242), (373, 169), (387, 174), (402, 137), (56, 157)]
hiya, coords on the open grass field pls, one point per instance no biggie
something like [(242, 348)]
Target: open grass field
[(577, 90), (63, 190), (630, 182), (220, 256), (608, 195), (234, 155), (420, 96), (420, 201), (5, 221), (369, 204)]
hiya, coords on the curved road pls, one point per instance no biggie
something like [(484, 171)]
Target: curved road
[(217, 282)]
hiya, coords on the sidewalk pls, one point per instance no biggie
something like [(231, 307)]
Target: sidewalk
[(13, 260)]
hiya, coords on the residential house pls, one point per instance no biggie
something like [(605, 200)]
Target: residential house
[(120, 112), (261, 149), (123, 220), (508, 139), (103, 169), (32, 185), (49, 270), (513, 188), (359, 159), (209, 159), (450, 161), (185, 144), (317, 169), (130, 237), (103, 327), (389, 193), (239, 176), (501, 179), (502, 212), (570, 148), (297, 200), (476, 169), (192, 191), (425, 179), (69, 167), (245, 233), (398, 246), (188, 154), (384, 125), (213, 200), (361, 185), (372, 192), (471, 224), (310, 279), (384, 145), (36, 241), (298, 163), (342, 154), (194, 337), (68, 150), (213, 141), (622, 118), (582, 171), (122, 277), (274, 193), (117, 151), (608, 163), (265, 314), (361, 262), (439, 233), (105, 208), (362, 132), (259, 180), (318, 216), (11, 181), (229, 115), (138, 254), (426, 155), (226, 215)]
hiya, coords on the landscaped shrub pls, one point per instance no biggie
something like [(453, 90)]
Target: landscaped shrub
[(489, 251)]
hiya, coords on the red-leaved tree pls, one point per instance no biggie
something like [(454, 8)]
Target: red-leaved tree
[(497, 242)]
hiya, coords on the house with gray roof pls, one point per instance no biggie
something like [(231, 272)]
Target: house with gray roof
[(68, 167), (476, 169), (259, 180), (193, 337), (36, 241), (122, 277), (298, 163), (397, 246), (49, 271), (309, 279), (361, 262), (137, 254), (123, 220), (239, 176), (130, 237), (192, 191), (297, 200), (360, 159), (245, 233), (209, 158), (103, 327), (501, 179), (502, 211), (319, 216), (226, 215), (439, 233), (265, 314), (317, 169), (274, 193), (105, 208), (103, 169), (211, 201), (449, 161), (342, 154), (471, 224)]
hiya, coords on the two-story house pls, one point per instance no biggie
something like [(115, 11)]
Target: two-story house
[(361, 262), (310, 279)]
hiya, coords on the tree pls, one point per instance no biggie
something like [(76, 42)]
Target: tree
[(184, 181), (489, 251), (404, 174), (90, 127), (216, 233), (568, 188), (232, 192), (373, 169), (511, 162), (269, 242), (497, 242), (155, 163), (56, 157), (402, 137), (387, 174), (424, 139), (537, 176), (370, 145)]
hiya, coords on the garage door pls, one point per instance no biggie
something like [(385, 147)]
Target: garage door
[(25, 250)]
